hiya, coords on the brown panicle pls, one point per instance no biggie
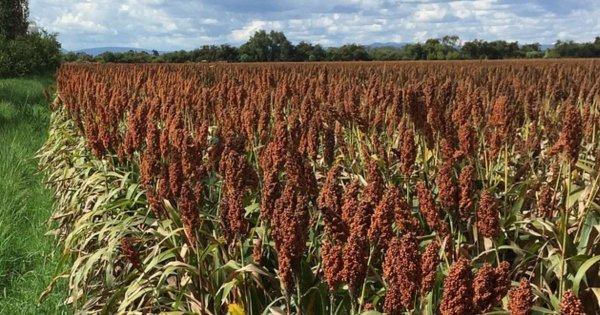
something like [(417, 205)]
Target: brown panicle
[(521, 299), (457, 298), (350, 203), (467, 140), (270, 162), (483, 288), (429, 265), (490, 286), (271, 191), (375, 185), (329, 145), (448, 151), (300, 174), (570, 304), (571, 135), (176, 178), (238, 177), (466, 183), (333, 263), (380, 230), (189, 213), (408, 152), (356, 256), (131, 253), (402, 273), (448, 192), (330, 206), (487, 215), (357, 250), (430, 211), (502, 281), (499, 120), (290, 231)]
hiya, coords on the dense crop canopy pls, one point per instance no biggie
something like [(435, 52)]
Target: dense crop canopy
[(330, 188)]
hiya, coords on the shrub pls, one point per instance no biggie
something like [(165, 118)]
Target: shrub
[(33, 53)]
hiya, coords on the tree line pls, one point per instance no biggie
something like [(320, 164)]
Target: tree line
[(273, 46)]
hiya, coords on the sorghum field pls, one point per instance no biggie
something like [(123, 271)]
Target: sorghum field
[(328, 188)]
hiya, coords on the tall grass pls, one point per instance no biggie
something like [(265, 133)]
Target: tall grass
[(27, 259)]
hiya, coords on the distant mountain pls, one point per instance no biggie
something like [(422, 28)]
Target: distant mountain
[(99, 50), (387, 44)]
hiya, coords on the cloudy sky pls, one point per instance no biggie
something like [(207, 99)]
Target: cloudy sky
[(178, 24)]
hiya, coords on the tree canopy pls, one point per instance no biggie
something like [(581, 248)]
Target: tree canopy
[(22, 52), (265, 46), (13, 18)]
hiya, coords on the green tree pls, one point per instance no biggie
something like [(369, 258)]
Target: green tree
[(30, 53), (308, 52), (13, 18), (350, 52), (414, 52), (106, 57), (228, 53), (281, 48), (263, 46), (258, 47), (70, 56), (450, 41)]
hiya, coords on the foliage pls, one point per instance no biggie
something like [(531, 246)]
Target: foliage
[(576, 50), (13, 18), (274, 46), (34, 53), (352, 52), (263, 46), (308, 52)]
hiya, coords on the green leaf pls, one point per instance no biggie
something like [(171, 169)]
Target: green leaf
[(581, 272), (252, 208), (575, 195), (225, 289)]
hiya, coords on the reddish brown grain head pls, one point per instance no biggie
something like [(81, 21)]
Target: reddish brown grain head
[(457, 298), (448, 190), (570, 304), (521, 299), (333, 264), (466, 184), (380, 230), (408, 152), (488, 223), (571, 135), (402, 273), (429, 265), (128, 248), (430, 211), (330, 199)]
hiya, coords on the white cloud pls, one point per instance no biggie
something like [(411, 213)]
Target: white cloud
[(76, 23), (242, 34), (430, 13), (179, 24)]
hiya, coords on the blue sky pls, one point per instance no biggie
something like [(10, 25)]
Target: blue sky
[(177, 24)]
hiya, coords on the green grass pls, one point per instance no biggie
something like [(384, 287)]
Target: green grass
[(27, 256)]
